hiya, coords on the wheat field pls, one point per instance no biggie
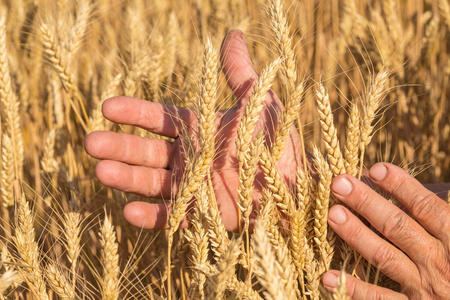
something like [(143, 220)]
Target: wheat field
[(362, 81)]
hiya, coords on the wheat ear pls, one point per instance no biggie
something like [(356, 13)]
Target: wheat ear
[(59, 283), (267, 268), (6, 280), (269, 220), (97, 119), (79, 30), (10, 103), (374, 95), (298, 240), (202, 160), (197, 237), (28, 250), (312, 274), (7, 172), (288, 117), (254, 107), (277, 184), (321, 211), (353, 136), (444, 8), (280, 31), (60, 62), (109, 261), (225, 270), (329, 130), (340, 291), (72, 231), (242, 290), (48, 162)]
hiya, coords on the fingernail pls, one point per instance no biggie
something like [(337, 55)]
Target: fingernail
[(337, 215), (342, 186), (378, 172), (330, 280)]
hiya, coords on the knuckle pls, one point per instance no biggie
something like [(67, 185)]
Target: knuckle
[(354, 235), (395, 225), (363, 201), (383, 257), (423, 206), (153, 184)]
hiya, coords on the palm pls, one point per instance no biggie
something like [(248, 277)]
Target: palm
[(152, 167)]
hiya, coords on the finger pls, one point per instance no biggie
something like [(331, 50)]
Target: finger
[(377, 251), (358, 289), (148, 182), (149, 215), (130, 149), (162, 119), (387, 218), (428, 209), (237, 64)]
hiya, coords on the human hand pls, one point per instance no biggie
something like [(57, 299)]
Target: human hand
[(152, 167), (421, 260)]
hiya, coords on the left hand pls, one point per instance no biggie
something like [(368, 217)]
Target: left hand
[(420, 259)]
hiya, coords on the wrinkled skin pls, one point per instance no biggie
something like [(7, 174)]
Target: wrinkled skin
[(419, 261)]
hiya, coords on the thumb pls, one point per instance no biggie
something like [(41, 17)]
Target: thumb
[(237, 65)]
